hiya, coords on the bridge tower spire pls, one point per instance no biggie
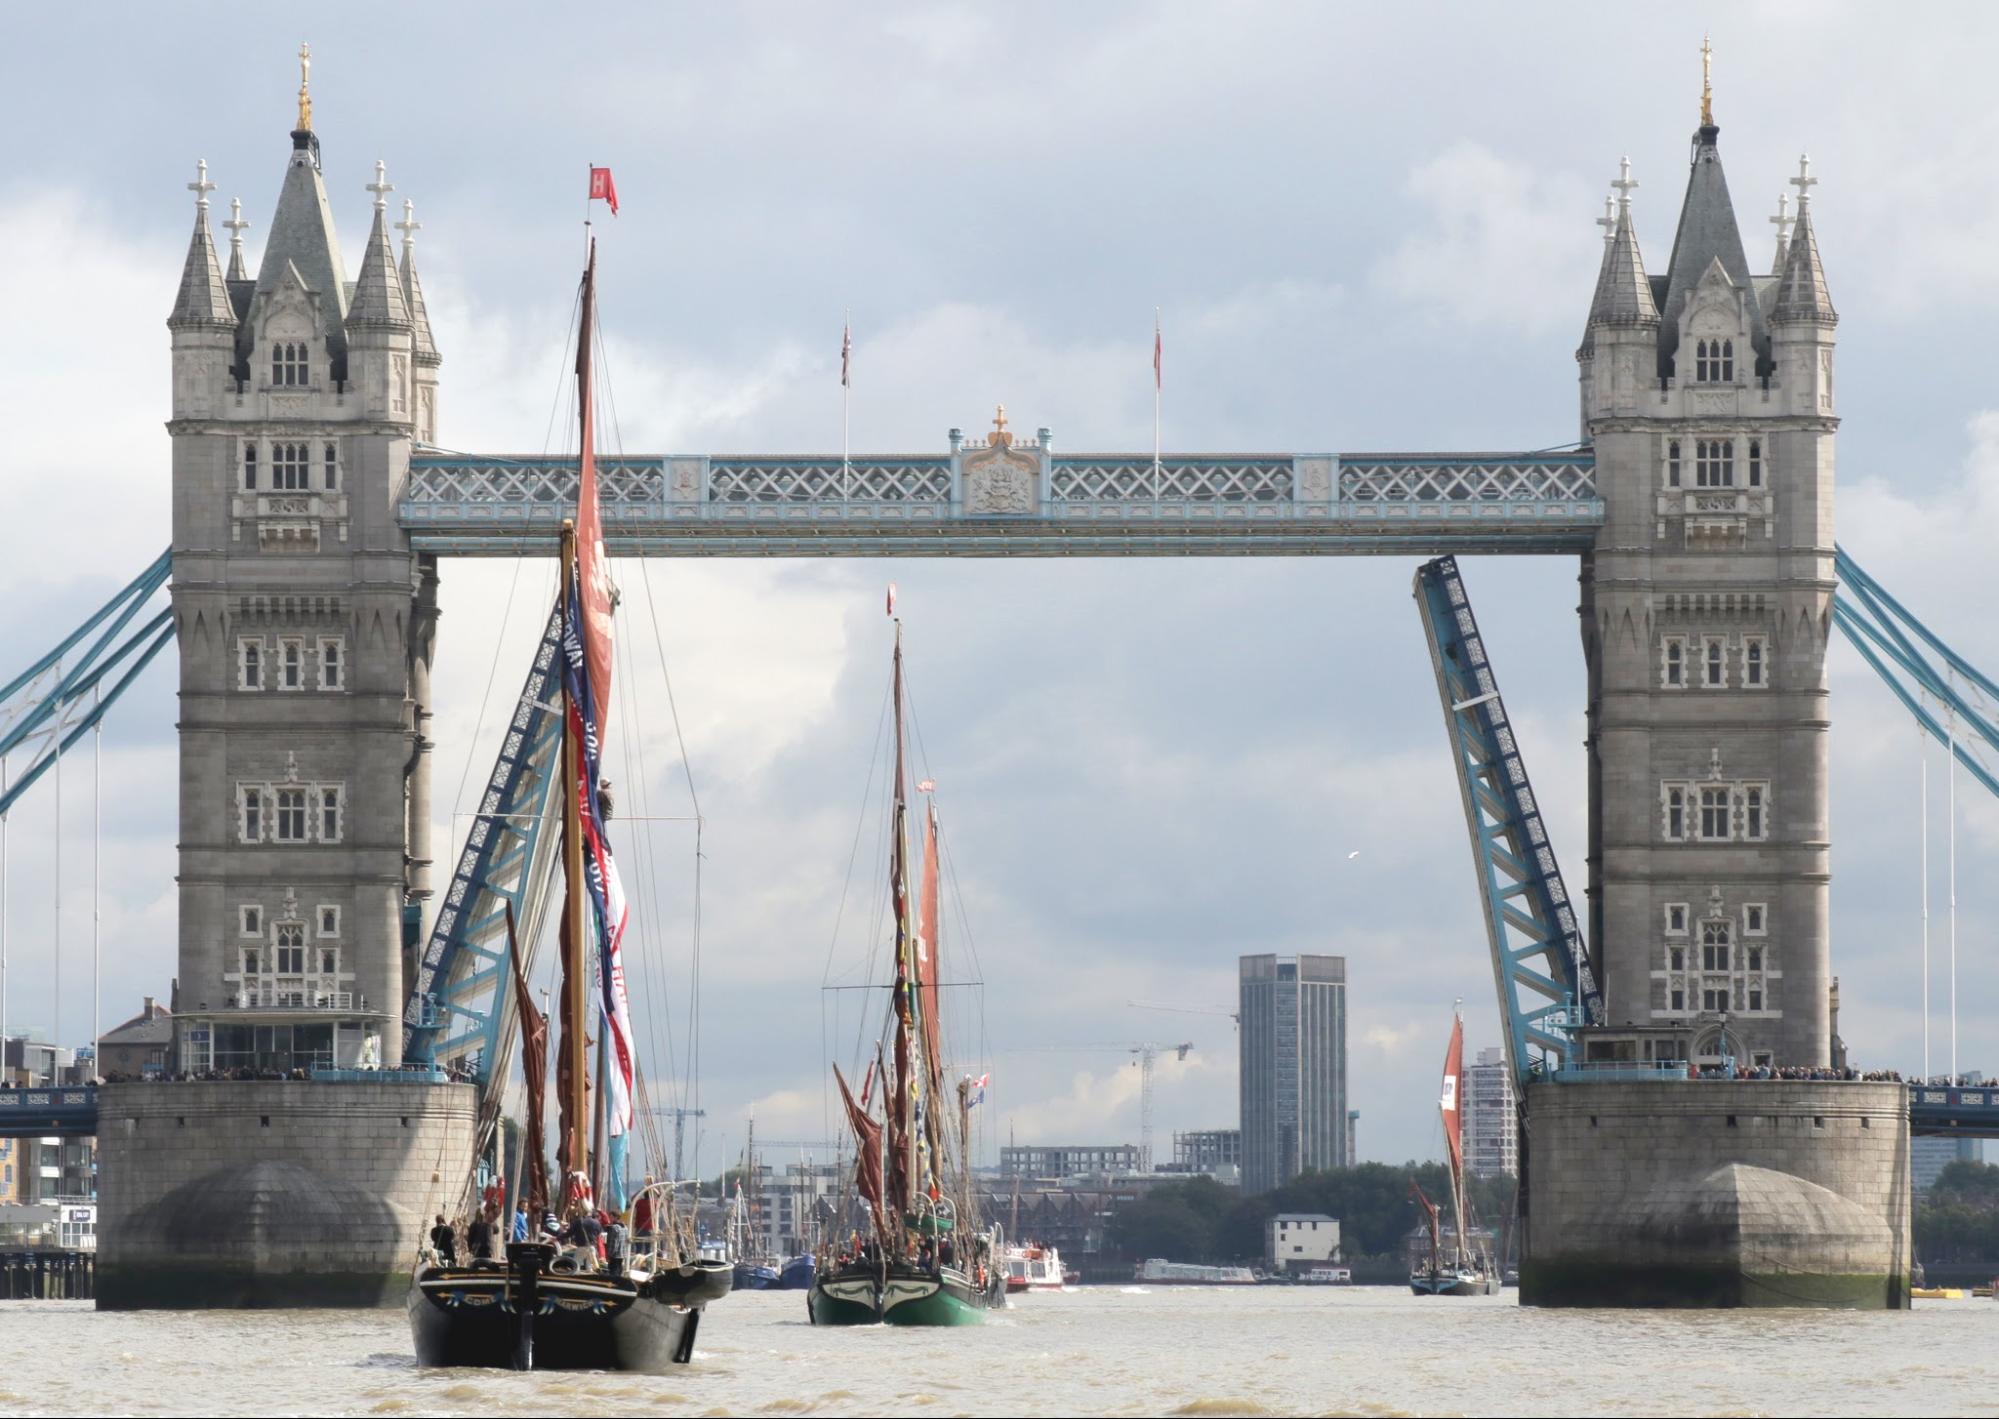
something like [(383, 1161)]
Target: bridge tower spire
[(305, 627), (1705, 606)]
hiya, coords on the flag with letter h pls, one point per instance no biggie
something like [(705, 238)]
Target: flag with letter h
[(602, 189)]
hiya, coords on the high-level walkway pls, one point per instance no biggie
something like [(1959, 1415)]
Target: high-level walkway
[(1003, 498)]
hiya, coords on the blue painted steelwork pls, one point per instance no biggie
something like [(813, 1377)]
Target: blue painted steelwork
[(29, 707), (48, 1113), (1068, 506), (1927, 676), (460, 1002), (1539, 962), (1953, 1112)]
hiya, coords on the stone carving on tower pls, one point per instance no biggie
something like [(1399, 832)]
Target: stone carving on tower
[(305, 627), (1707, 398), (1000, 478)]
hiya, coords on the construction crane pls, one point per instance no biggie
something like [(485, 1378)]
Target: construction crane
[(1233, 1017), (1146, 1055), (679, 1117)]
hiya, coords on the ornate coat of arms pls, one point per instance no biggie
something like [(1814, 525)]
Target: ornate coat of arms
[(999, 479)]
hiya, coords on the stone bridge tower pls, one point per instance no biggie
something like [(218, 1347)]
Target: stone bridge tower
[(305, 630), (1706, 604)]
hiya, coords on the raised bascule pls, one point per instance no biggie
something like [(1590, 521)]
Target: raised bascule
[(312, 506)]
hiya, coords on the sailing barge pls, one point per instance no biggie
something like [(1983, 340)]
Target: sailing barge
[(926, 1258), (553, 1304), (1461, 1269)]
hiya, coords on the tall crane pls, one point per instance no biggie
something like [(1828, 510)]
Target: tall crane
[(679, 1117), (1146, 1055)]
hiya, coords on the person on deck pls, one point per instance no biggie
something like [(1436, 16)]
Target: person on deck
[(479, 1237), (614, 1246), (642, 1212), (520, 1232), (446, 1242)]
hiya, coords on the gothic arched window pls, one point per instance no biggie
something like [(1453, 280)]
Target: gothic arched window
[(288, 364), (1725, 368), (289, 467), (1700, 361), (1672, 463)]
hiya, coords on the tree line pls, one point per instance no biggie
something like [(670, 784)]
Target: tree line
[(1957, 1220), (1199, 1220)]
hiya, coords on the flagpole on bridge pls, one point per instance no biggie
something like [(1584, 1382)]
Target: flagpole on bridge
[(846, 403), (1158, 380)]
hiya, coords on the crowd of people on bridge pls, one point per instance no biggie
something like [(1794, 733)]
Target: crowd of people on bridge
[(1798, 1073), (453, 1072)]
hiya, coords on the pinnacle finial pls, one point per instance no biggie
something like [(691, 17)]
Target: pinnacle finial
[(1608, 221), (381, 186), (236, 224), (409, 226), (1000, 435), (201, 186), (1782, 221), (1625, 182), (1707, 83), (304, 87), (1804, 182)]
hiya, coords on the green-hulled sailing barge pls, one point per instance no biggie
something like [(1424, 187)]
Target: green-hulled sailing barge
[(926, 1256)]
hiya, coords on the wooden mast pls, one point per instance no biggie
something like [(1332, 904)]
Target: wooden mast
[(574, 965), (575, 962)]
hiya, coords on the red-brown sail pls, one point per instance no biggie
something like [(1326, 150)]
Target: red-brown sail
[(868, 1146), (1449, 1101), (928, 962)]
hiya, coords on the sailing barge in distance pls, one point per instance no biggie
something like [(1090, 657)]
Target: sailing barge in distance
[(926, 1260), (1465, 1268)]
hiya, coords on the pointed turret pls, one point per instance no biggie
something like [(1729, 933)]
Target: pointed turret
[(1801, 293), (424, 358), (203, 299), (238, 270), (378, 321), (378, 291), (1707, 233), (1623, 290), (421, 343)]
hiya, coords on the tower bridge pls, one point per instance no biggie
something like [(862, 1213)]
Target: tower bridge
[(315, 503)]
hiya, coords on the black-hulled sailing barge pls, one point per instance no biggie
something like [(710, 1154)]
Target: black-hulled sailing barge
[(554, 1306), (926, 1259)]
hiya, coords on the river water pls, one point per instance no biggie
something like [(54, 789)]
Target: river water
[(1099, 1350)]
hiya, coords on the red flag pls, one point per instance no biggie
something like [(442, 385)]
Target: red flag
[(891, 598), (846, 355), (603, 189), (1158, 354)]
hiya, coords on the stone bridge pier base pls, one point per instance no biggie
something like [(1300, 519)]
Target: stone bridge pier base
[(1706, 1193), (281, 1194)]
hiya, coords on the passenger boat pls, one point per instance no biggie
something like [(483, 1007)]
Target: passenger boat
[(1034, 1268), (927, 1259), (551, 1306), (1462, 1269), (1158, 1271)]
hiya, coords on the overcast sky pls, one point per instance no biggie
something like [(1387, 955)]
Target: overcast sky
[(1365, 229)]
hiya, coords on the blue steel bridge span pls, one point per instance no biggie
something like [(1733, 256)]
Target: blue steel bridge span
[(1009, 499)]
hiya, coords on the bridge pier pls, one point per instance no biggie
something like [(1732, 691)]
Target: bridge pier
[(1678, 1192), (280, 1193)]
